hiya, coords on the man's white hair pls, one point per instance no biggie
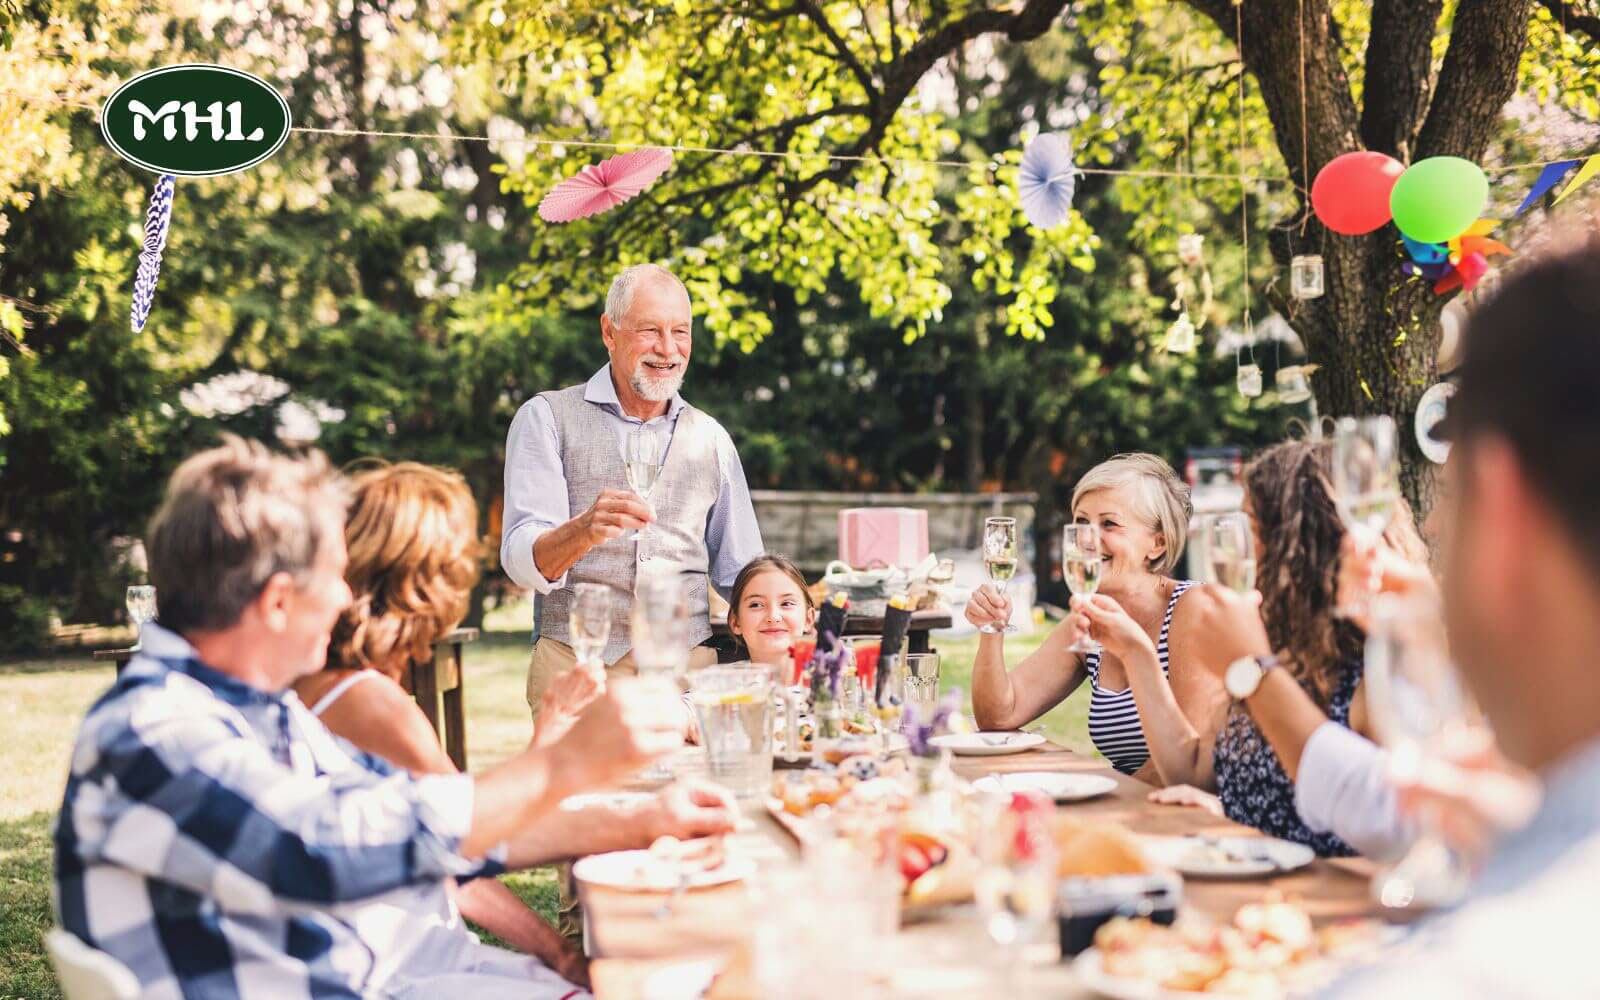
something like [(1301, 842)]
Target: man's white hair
[(620, 298)]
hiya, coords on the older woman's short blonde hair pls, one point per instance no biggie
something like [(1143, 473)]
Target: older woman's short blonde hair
[(1159, 498)]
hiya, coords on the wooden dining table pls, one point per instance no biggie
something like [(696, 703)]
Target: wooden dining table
[(950, 954)]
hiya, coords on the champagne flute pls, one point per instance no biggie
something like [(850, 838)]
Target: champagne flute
[(141, 608), (1230, 551), (1366, 478), (891, 707), (1081, 564), (1016, 883), (660, 635), (641, 461), (589, 621), (1417, 703), (1000, 559)]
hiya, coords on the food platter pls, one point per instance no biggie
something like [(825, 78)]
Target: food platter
[(1062, 786), (1229, 857)]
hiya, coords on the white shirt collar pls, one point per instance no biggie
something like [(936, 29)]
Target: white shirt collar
[(601, 391)]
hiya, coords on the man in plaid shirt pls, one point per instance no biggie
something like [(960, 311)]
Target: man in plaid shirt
[(220, 842)]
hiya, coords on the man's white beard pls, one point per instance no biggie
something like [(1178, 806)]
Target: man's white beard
[(656, 390)]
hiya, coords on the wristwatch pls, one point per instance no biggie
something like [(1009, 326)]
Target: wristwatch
[(1244, 675)]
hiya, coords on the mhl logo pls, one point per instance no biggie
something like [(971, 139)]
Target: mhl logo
[(195, 120)]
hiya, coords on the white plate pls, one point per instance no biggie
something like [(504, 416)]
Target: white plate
[(1059, 785), (1092, 974), (987, 744), (639, 871), (1257, 856)]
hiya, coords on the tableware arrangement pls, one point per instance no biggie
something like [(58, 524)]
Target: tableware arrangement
[(1201, 856), (648, 871), (988, 744), (1059, 786)]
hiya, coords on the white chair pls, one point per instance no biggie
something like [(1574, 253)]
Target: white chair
[(86, 973)]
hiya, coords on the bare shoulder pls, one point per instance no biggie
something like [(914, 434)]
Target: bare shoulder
[(378, 716)]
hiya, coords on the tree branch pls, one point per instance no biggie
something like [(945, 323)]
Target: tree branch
[(1399, 72), (1478, 76), (817, 17)]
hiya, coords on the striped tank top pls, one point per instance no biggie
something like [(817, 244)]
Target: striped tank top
[(1113, 716)]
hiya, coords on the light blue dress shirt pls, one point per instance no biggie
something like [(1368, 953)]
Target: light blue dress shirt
[(536, 489), (1526, 930)]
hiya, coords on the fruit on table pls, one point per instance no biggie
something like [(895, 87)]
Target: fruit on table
[(918, 853)]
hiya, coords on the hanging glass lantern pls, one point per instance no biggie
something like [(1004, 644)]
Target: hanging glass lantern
[(1180, 335), (1249, 380), (1305, 276), (1293, 386)]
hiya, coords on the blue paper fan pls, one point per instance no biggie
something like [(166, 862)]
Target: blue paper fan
[(1047, 180), (156, 222)]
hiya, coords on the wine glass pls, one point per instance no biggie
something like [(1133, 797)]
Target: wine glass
[(660, 635), (141, 607), (1016, 883), (1417, 704), (1000, 559), (641, 461), (589, 621), (1366, 478), (1230, 551), (1081, 564)]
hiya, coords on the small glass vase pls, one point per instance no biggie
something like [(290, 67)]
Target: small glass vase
[(932, 774)]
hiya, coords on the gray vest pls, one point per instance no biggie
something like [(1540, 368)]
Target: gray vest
[(690, 480)]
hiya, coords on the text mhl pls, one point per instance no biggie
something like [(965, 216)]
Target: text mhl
[(167, 117)]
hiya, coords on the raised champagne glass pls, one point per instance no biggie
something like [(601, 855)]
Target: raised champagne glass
[(660, 635), (1082, 562), (1230, 551), (1000, 559), (589, 621), (1366, 478), (141, 608), (641, 462)]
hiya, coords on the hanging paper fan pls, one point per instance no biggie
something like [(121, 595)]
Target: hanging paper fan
[(1047, 180), (156, 222), (604, 185)]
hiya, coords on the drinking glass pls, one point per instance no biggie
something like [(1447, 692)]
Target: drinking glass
[(660, 634), (735, 709), (1417, 704), (641, 461), (1081, 564), (1366, 477), (1016, 884), (589, 620), (141, 607), (1230, 551), (922, 682), (890, 703), (1000, 559)]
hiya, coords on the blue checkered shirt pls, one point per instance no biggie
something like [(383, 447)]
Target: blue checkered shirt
[(220, 842)]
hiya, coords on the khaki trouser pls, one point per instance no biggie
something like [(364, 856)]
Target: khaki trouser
[(551, 659)]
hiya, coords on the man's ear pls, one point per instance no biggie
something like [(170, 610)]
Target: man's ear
[(273, 603), (608, 333)]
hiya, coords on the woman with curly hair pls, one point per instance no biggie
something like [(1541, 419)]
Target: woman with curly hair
[(411, 533), (1297, 737)]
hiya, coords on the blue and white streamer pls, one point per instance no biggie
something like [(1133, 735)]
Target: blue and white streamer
[(156, 222), (1047, 180)]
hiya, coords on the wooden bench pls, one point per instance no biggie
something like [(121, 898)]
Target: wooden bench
[(439, 686), (443, 679)]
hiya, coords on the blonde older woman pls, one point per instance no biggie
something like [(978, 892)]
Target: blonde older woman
[(1146, 676)]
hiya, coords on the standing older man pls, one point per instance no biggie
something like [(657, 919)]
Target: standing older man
[(567, 502)]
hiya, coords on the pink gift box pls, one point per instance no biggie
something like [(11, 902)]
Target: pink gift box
[(892, 536)]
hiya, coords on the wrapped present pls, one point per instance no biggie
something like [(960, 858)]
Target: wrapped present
[(888, 536)]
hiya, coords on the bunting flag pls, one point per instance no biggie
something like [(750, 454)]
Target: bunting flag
[(156, 222), (1590, 167), (1549, 177)]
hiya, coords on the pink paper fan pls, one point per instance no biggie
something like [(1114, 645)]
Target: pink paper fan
[(605, 185)]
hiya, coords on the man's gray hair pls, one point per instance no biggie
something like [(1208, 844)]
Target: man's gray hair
[(620, 298), (232, 517)]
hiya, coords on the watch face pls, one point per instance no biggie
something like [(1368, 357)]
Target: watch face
[(1242, 678)]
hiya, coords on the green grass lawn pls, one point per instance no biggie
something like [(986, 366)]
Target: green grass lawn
[(41, 702)]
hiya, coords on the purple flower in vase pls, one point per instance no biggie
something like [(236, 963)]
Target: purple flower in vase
[(920, 734)]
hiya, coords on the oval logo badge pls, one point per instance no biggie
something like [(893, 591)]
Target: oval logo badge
[(195, 120)]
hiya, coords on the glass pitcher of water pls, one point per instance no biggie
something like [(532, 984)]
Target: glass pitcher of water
[(735, 709)]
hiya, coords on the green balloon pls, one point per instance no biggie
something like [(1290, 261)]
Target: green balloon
[(1438, 198)]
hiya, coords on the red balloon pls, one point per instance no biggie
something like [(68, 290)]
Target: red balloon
[(1351, 193)]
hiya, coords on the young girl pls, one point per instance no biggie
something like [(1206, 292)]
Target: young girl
[(770, 608)]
